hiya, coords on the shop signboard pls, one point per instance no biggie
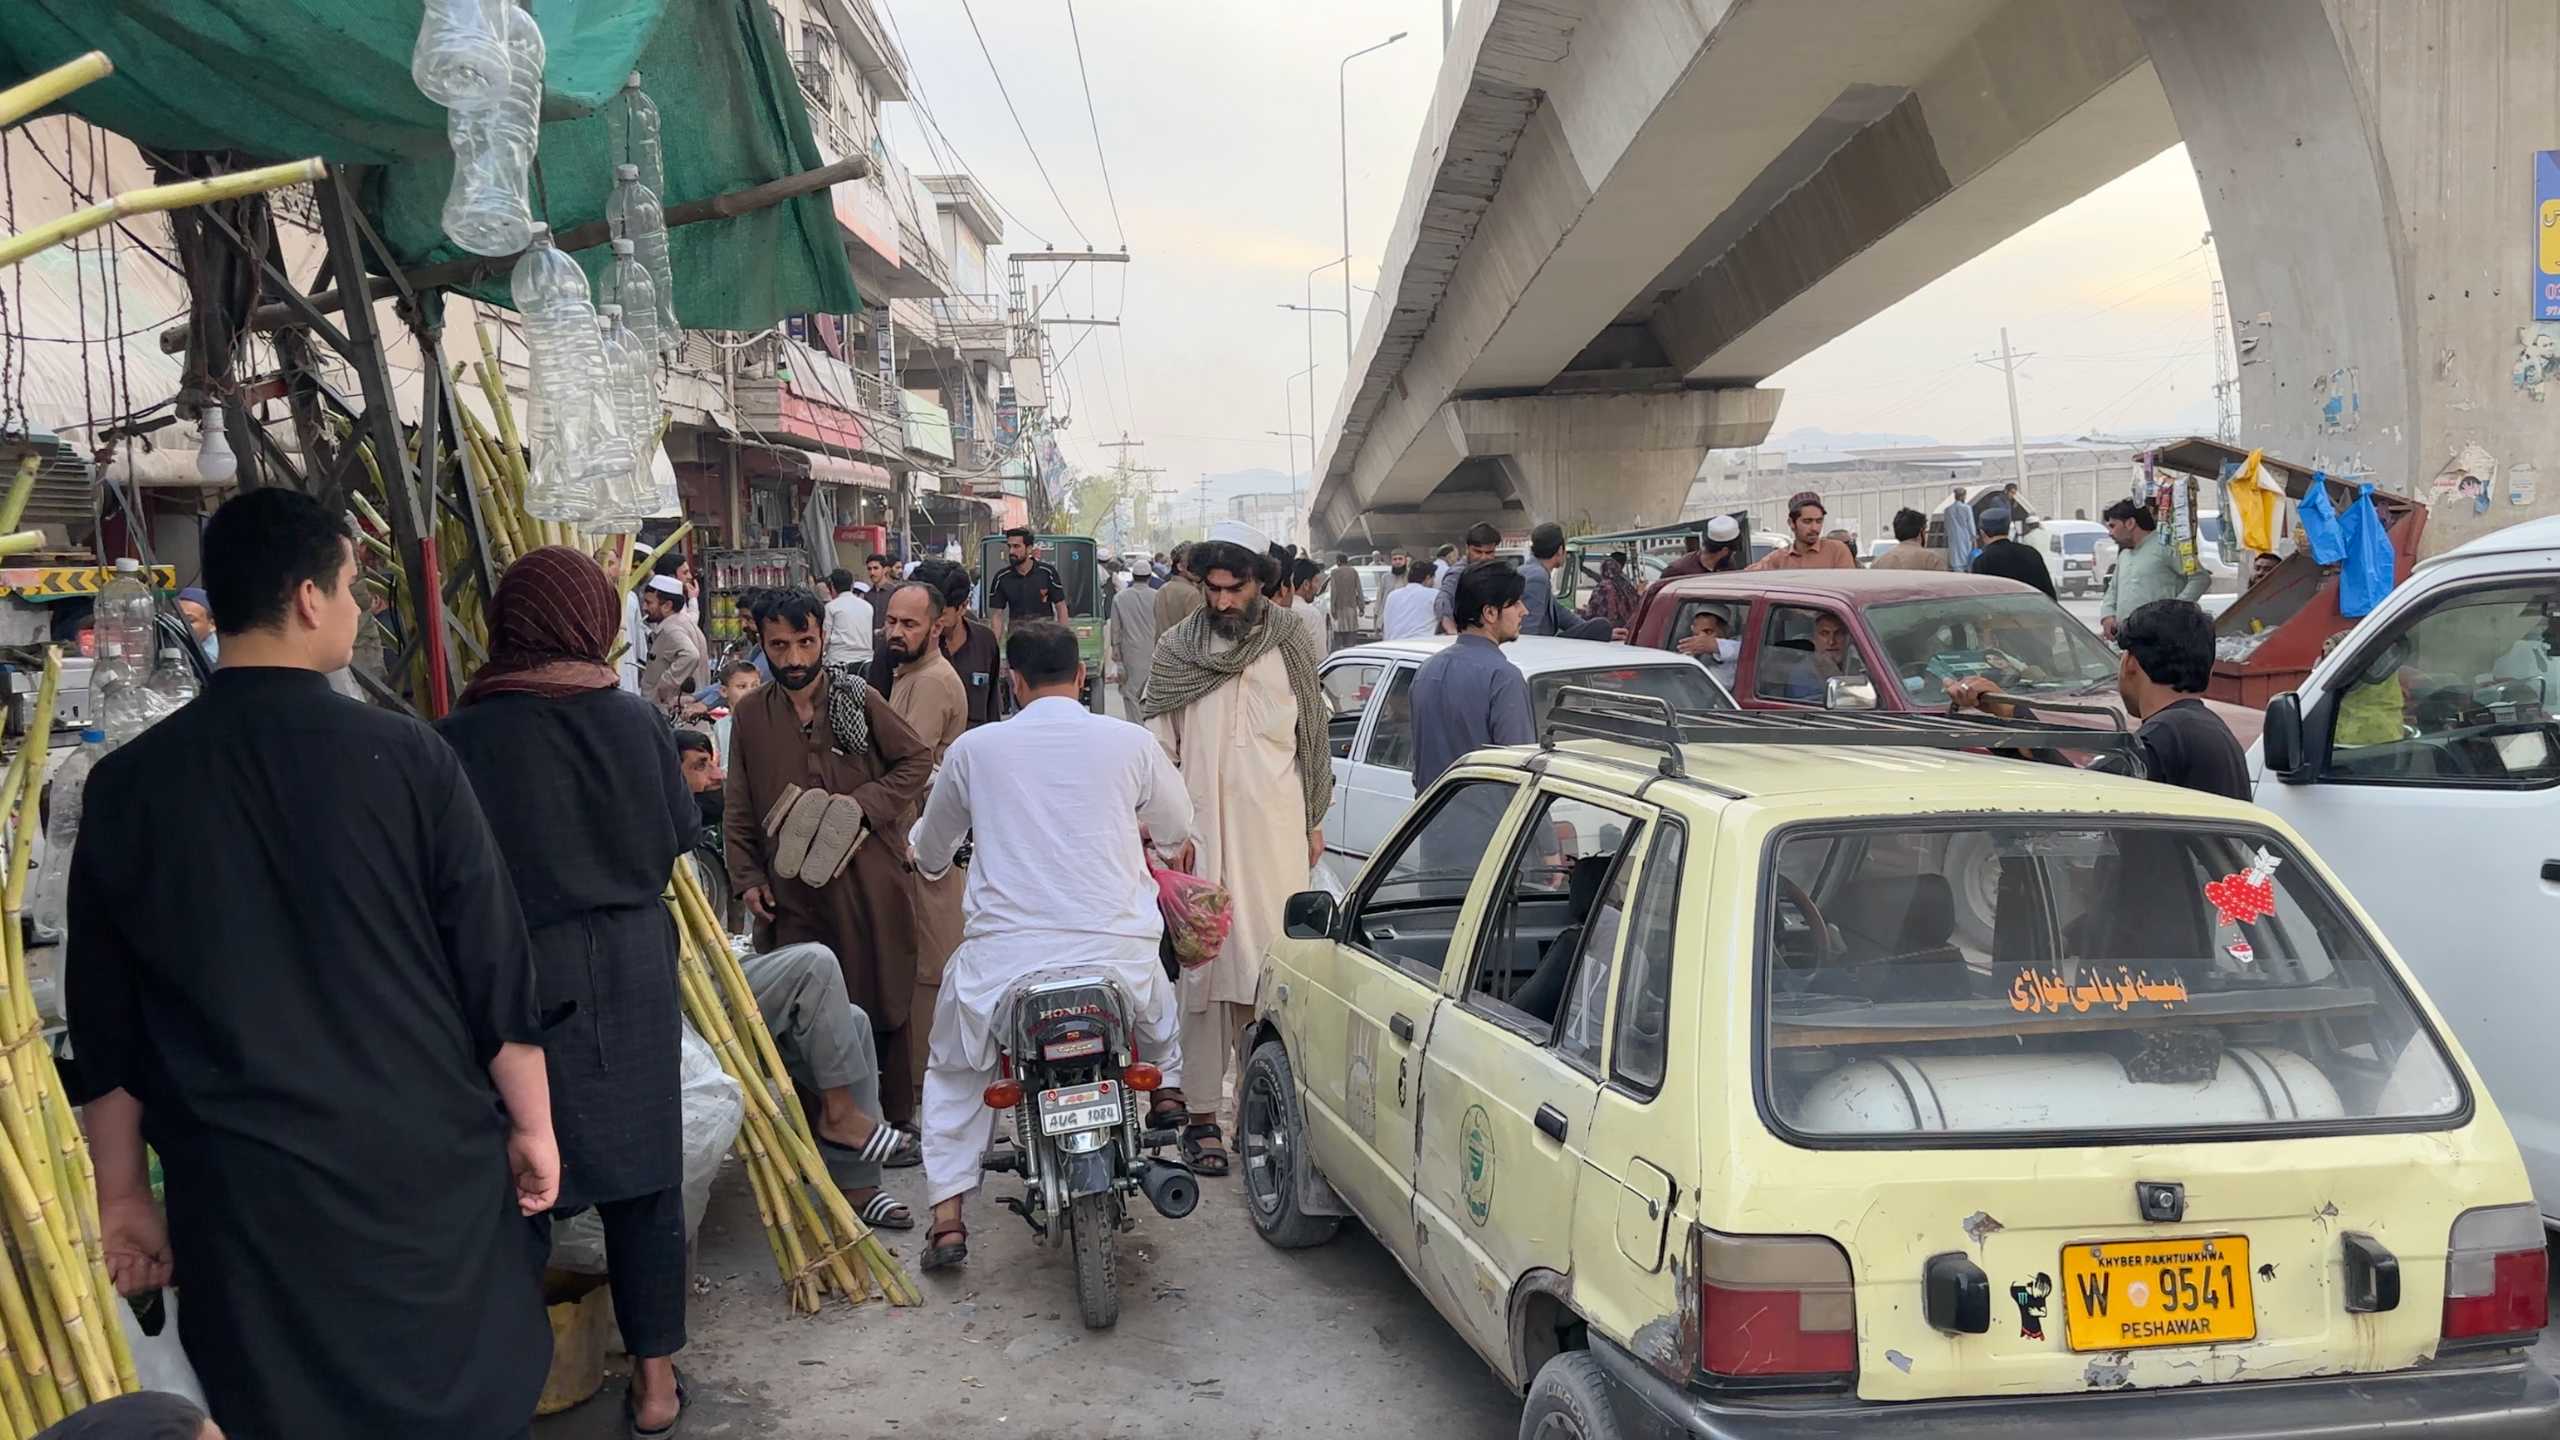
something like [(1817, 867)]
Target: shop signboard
[(2546, 238)]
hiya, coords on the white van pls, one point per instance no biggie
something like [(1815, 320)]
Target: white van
[(2422, 759), (2076, 553)]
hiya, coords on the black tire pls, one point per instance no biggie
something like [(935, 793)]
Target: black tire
[(1092, 1224), (1271, 1138), (1569, 1401)]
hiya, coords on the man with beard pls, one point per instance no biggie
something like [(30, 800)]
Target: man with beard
[(971, 648), (1182, 597), (1235, 701), (821, 768), (926, 693), (677, 652)]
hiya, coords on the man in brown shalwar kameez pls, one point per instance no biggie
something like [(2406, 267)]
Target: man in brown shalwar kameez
[(823, 729), (927, 694)]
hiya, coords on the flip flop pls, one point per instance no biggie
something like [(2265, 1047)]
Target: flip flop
[(939, 1256), (1204, 1149), (886, 1142), (631, 1413), (885, 1212), (908, 1155)]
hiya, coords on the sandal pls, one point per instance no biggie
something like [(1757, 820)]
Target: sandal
[(908, 1155), (631, 1413), (939, 1256), (884, 1211), (886, 1142), (1204, 1149), (1169, 1111)]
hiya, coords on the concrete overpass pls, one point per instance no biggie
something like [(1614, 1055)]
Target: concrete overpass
[(1623, 215)]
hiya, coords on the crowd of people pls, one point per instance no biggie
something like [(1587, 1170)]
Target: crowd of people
[(296, 918)]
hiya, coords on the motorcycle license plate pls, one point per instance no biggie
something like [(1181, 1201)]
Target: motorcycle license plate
[(2128, 1294), (1086, 1107)]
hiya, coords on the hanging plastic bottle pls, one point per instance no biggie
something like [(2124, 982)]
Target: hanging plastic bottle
[(461, 54), (122, 646), (628, 498), (633, 214), (493, 141), (576, 436), (631, 129), (67, 787), (626, 283), (174, 683)]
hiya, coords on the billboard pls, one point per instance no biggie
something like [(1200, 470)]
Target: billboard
[(2546, 240)]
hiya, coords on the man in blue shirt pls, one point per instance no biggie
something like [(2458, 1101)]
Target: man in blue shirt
[(1468, 695), (1546, 557)]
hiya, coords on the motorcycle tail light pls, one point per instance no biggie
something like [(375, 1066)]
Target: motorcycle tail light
[(1142, 1076), (2497, 1275), (1004, 1094)]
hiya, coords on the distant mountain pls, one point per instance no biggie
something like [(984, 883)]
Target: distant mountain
[(1814, 437)]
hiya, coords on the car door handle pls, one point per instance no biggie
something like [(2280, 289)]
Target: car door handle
[(1550, 1122), (1401, 1026)]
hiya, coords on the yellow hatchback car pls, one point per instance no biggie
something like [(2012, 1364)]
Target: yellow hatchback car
[(1658, 1061)]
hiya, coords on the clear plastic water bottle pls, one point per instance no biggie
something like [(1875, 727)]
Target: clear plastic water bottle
[(461, 54), (493, 141), (576, 433), (626, 283), (123, 643), (628, 499), (174, 683), (68, 784), (633, 214), (631, 130)]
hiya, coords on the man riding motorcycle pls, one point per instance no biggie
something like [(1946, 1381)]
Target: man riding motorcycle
[(1052, 801)]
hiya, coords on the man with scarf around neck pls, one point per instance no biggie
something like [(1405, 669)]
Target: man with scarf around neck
[(1233, 698), (821, 728)]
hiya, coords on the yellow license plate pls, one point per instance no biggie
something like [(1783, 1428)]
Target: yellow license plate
[(2128, 1294)]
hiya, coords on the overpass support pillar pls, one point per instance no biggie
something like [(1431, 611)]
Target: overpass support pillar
[(1609, 461)]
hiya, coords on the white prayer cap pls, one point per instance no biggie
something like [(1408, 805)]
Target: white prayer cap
[(667, 585), (1724, 530)]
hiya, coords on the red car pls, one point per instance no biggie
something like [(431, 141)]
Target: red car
[(1888, 639)]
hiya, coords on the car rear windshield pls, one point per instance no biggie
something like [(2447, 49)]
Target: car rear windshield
[(1687, 687), (2080, 542), (2045, 979), (2027, 643)]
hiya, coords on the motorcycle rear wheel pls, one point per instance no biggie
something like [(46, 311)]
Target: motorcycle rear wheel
[(1092, 1225)]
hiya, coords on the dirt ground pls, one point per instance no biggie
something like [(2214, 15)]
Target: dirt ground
[(1219, 1335)]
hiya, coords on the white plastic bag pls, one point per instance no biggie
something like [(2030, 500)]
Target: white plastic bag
[(1321, 877), (159, 1361), (713, 1111)]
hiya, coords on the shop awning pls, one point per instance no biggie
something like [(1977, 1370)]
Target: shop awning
[(836, 470), (281, 79)]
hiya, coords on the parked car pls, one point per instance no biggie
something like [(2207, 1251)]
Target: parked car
[(1661, 1072), (2073, 553), (2423, 757), (1371, 687)]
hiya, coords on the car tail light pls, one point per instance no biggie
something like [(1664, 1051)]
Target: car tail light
[(2497, 1276), (1142, 1076), (1073, 1048), (1775, 1307), (1004, 1094)]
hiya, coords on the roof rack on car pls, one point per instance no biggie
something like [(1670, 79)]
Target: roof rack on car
[(1585, 713)]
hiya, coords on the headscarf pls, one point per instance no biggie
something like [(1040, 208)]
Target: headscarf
[(1188, 666), (553, 621)]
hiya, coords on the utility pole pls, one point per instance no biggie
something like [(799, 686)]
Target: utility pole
[(2226, 390), (2008, 367)]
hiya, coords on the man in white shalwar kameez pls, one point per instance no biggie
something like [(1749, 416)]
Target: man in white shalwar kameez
[(1056, 796), (1234, 698)]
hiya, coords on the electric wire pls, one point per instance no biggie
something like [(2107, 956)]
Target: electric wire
[(1019, 127), (1086, 80)]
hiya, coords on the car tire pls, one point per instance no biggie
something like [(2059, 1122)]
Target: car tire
[(1271, 1135), (1570, 1401)]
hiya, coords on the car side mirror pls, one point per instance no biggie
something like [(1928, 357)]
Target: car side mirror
[(1848, 692), (2280, 744), (1309, 915)]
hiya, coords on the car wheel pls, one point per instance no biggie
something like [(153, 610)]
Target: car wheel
[(1273, 1132), (1569, 1401)]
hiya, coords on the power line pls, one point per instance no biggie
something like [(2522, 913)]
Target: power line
[(1019, 127), (947, 152), (1090, 119)]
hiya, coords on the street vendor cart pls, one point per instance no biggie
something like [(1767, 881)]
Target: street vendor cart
[(2270, 637)]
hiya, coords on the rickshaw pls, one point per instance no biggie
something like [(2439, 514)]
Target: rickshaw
[(1075, 559)]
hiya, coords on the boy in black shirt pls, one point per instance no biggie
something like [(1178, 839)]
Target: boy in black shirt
[(2167, 661)]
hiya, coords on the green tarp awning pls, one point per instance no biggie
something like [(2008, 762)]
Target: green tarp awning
[(281, 79)]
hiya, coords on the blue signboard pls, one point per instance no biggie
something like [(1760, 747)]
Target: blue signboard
[(2546, 235)]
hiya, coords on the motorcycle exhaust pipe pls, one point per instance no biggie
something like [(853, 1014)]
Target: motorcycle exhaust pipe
[(1170, 1188)]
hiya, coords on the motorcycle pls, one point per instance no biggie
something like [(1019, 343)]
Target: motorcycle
[(1079, 1093)]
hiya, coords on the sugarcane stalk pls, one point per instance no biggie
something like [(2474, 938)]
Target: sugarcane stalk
[(21, 487), (632, 577)]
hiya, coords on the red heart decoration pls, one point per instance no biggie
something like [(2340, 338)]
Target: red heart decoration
[(2242, 897)]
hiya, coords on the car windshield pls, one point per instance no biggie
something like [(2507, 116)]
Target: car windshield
[(2066, 976), (2027, 643), (2080, 542), (1687, 687)]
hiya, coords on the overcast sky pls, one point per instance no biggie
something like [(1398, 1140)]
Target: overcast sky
[(1218, 124)]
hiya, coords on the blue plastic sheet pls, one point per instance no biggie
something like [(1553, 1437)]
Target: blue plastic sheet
[(2320, 522), (2370, 564)]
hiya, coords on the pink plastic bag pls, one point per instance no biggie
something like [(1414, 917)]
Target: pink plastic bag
[(1197, 915)]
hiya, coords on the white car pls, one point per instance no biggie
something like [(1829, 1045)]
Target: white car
[(2422, 758), (2076, 553), (1371, 688)]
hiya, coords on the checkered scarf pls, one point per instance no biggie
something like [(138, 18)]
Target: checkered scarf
[(846, 720)]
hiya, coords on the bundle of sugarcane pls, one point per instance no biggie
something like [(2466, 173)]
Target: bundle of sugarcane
[(61, 1348), (819, 1245)]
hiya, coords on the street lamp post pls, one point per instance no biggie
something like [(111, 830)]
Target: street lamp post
[(1342, 130), (1289, 416)]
